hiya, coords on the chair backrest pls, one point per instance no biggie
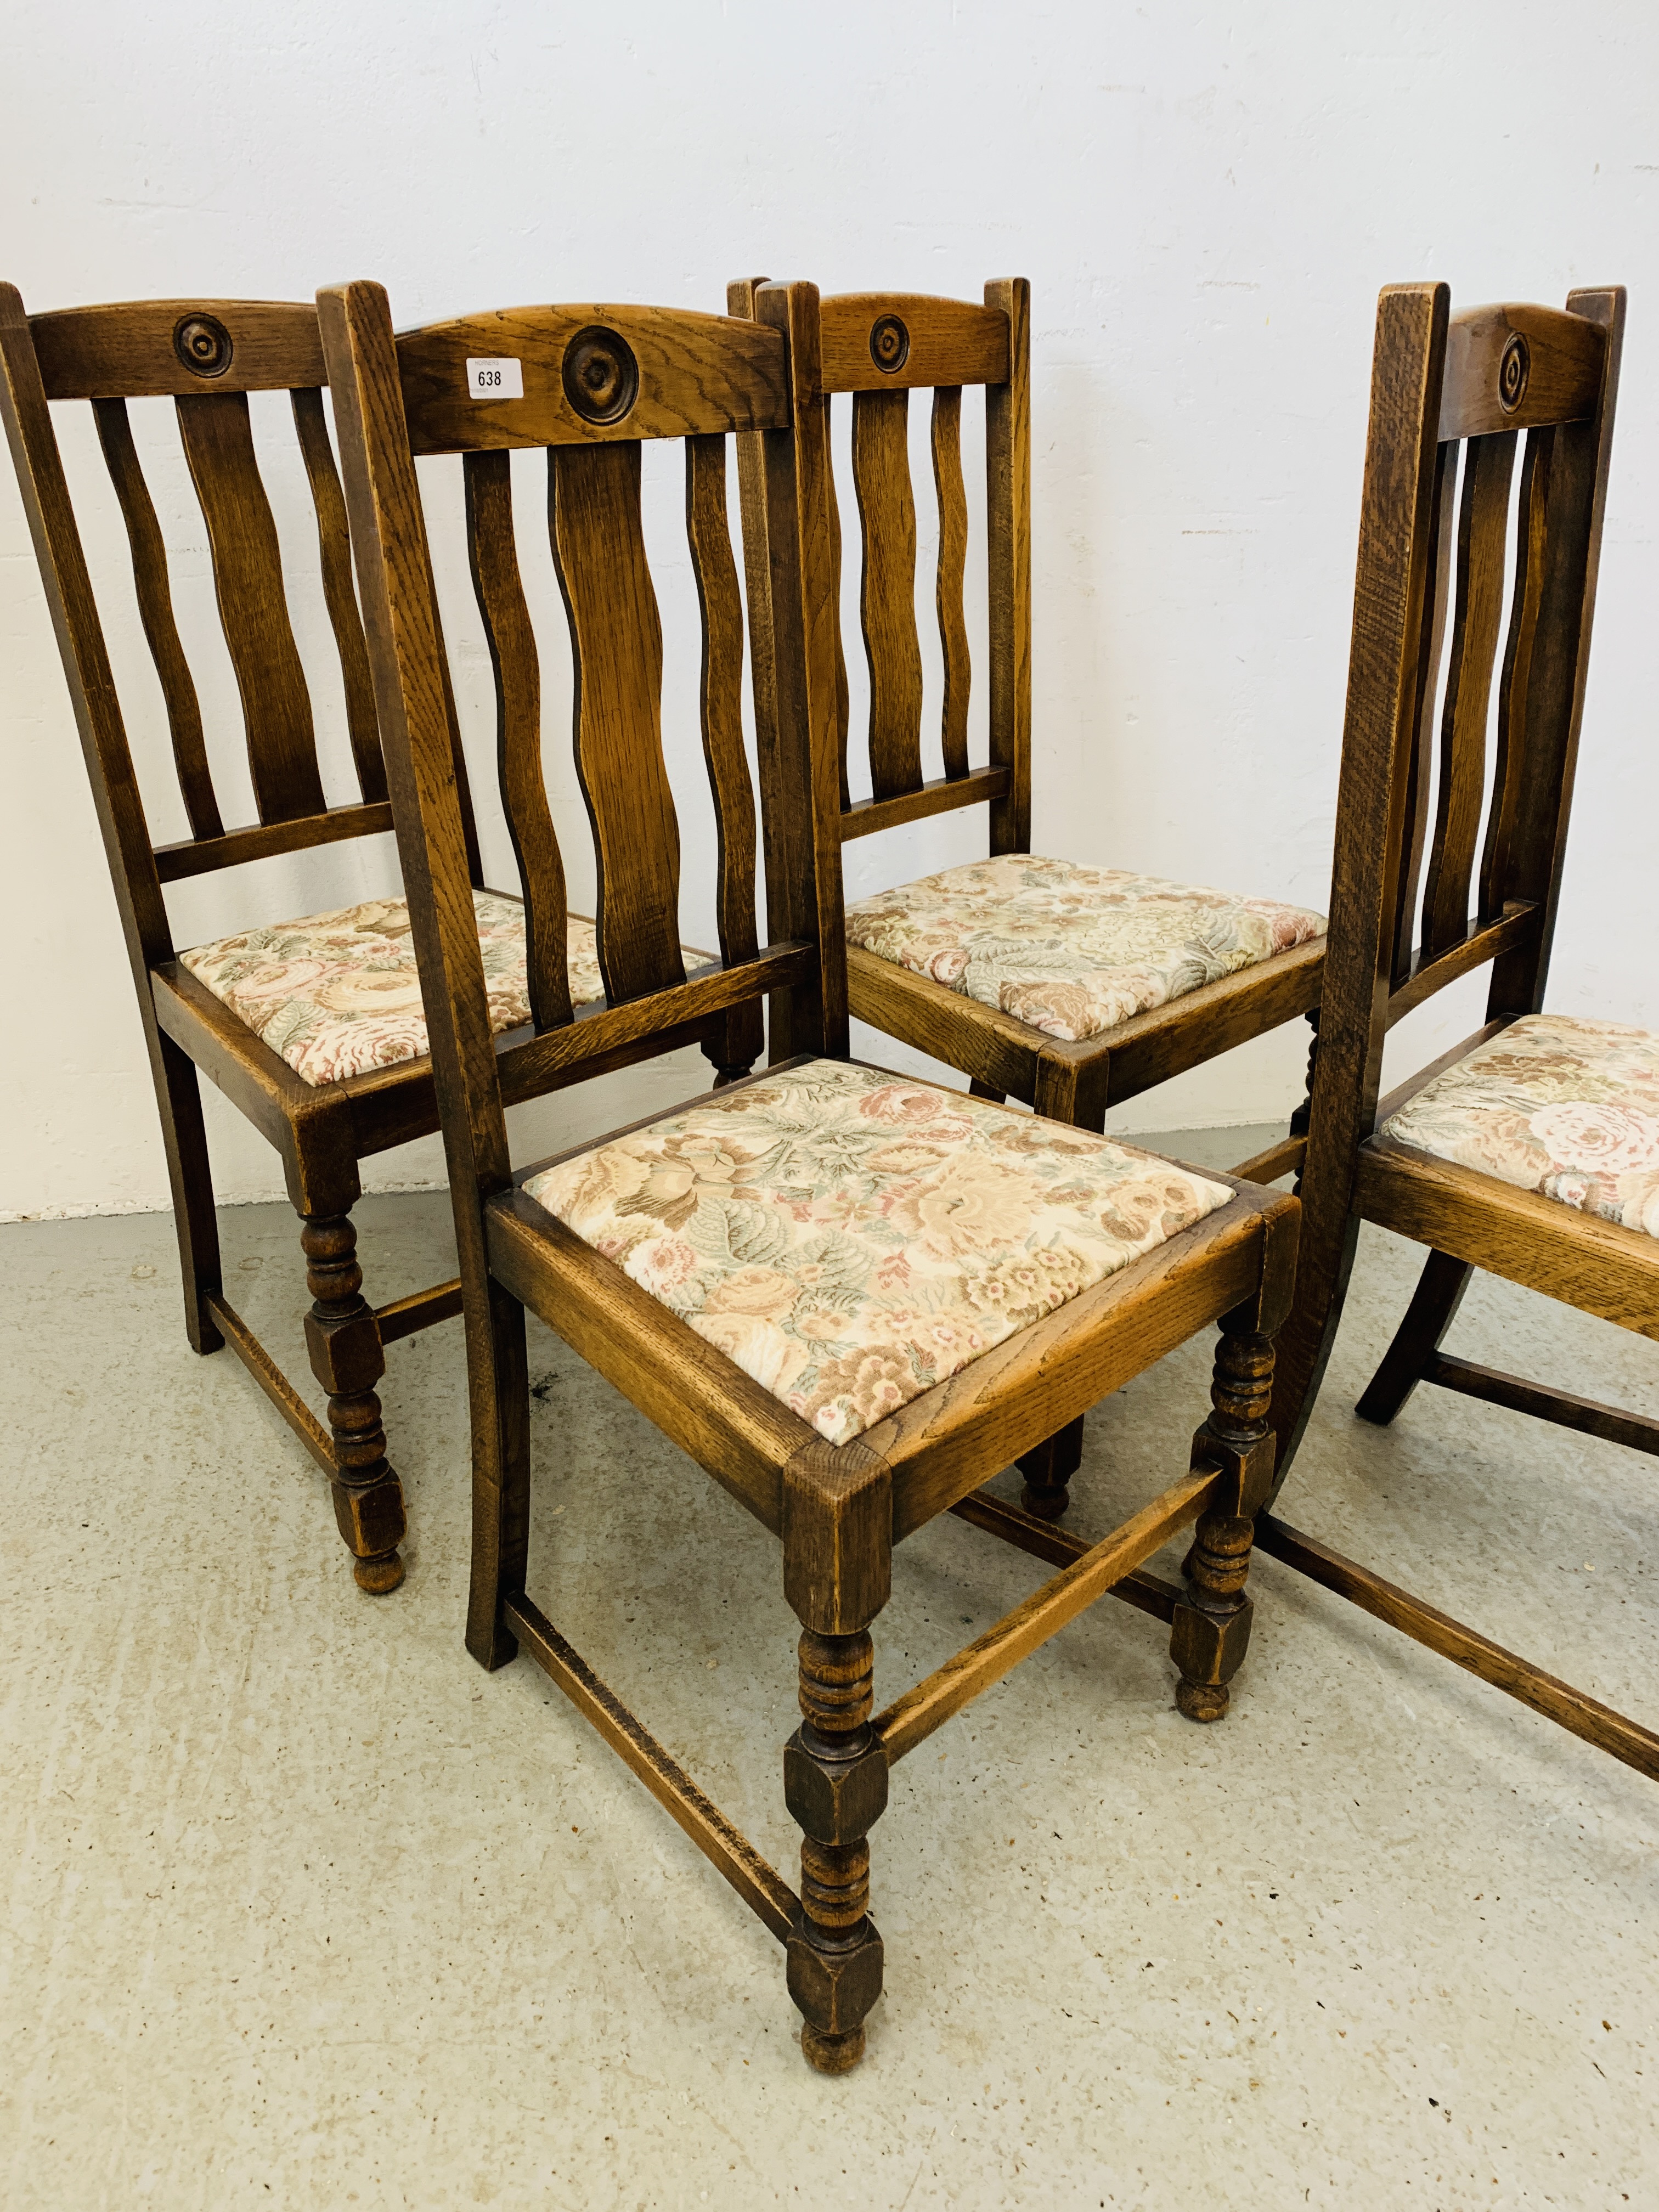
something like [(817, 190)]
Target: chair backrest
[(207, 355), (879, 347), (1423, 893), (589, 384)]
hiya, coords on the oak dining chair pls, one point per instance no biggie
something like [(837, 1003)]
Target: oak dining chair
[(1530, 1149), (847, 1296), (1070, 988), (313, 1028)]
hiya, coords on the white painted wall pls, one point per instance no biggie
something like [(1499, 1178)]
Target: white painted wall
[(1206, 200)]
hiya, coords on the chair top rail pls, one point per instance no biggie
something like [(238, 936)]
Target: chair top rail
[(172, 348), (1518, 366), (586, 375), (884, 341)]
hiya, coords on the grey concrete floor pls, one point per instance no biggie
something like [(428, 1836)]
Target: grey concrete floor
[(305, 1910)]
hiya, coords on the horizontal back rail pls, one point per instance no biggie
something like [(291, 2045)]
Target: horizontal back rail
[(598, 1029), (166, 348), (1518, 925), (884, 341), (1519, 367), (261, 841), (942, 795), (587, 375)]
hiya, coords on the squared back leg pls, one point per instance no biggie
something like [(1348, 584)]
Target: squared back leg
[(179, 1102), (500, 1478), (1432, 1312)]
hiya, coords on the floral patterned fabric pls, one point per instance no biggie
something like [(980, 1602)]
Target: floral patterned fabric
[(849, 1237), (1072, 950), (339, 994), (1569, 1108)]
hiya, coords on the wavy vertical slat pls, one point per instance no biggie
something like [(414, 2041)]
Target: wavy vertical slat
[(1509, 764), (155, 593), (1008, 566), (953, 572), (1437, 598), (721, 694), (763, 663), (247, 576), (1579, 458), (616, 645), (493, 554), (721, 702), (843, 697), (1482, 531), (887, 601), (334, 554), (457, 751)]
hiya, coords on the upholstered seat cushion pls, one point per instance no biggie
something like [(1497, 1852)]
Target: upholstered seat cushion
[(849, 1237), (339, 994), (1072, 950), (1569, 1108)]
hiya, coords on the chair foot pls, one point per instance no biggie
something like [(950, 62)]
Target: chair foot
[(1203, 1701), (1209, 1632), (348, 1359), (1049, 1468), (379, 1575), (196, 1220), (725, 1075), (831, 2054), (835, 1784)]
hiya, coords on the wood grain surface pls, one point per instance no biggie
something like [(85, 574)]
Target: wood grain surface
[(697, 373)]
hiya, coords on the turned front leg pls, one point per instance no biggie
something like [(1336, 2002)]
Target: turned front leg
[(837, 1571), (348, 1359), (1212, 1625), (835, 1784)]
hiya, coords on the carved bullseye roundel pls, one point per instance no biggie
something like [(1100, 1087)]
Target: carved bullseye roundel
[(889, 345), (600, 375), (203, 343), (1513, 371)]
